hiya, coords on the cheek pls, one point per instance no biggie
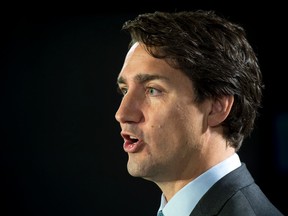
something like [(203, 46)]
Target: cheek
[(174, 119), (179, 124), (169, 124)]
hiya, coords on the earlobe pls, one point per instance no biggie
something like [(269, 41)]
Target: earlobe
[(220, 109)]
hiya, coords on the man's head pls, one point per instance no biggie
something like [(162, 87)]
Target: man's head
[(214, 53)]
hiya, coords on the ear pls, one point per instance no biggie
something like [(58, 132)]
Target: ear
[(221, 108)]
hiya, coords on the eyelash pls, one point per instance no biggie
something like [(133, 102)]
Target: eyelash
[(122, 91), (148, 90)]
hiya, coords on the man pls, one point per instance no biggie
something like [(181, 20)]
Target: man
[(191, 88)]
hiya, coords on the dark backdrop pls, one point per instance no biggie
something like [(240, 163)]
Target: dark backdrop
[(61, 152)]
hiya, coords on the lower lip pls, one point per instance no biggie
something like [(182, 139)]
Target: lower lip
[(132, 147)]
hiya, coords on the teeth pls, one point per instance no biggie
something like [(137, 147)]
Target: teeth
[(132, 137)]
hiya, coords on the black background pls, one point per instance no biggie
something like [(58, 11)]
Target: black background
[(61, 151)]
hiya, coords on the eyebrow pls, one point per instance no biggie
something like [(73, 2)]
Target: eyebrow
[(142, 78)]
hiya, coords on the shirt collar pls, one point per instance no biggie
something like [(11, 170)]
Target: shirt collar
[(183, 202)]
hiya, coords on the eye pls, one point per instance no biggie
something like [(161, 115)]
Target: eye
[(121, 90), (153, 91)]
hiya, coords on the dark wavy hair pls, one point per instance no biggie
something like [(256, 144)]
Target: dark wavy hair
[(214, 53)]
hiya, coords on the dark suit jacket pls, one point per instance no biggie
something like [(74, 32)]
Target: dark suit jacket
[(236, 194)]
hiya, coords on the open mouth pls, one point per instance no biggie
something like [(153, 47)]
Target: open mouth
[(131, 143), (130, 139)]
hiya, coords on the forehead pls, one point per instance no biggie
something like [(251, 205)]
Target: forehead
[(139, 61)]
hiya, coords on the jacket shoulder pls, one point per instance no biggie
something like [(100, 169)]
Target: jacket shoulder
[(236, 194)]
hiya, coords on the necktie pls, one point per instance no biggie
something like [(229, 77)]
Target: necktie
[(160, 213)]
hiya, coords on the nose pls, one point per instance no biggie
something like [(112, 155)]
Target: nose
[(129, 110)]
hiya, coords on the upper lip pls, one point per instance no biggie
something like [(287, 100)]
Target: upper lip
[(127, 136)]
